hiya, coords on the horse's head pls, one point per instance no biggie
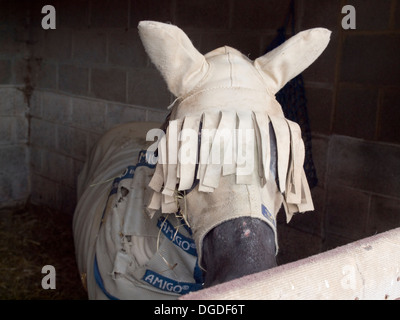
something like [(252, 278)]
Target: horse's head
[(229, 158)]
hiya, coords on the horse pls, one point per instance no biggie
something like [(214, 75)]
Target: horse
[(193, 202)]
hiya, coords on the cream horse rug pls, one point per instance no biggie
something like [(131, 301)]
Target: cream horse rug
[(163, 212)]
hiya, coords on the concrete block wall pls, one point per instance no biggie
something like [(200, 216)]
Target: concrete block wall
[(95, 53), (367, 186), (358, 195), (64, 128), (353, 90), (353, 104), (14, 155), (14, 122)]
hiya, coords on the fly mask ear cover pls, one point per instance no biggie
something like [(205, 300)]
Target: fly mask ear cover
[(221, 90)]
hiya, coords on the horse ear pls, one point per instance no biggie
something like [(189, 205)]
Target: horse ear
[(174, 55), (292, 57)]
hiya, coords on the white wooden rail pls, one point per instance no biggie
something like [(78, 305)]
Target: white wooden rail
[(365, 269)]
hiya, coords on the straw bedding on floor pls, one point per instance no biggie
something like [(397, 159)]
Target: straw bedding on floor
[(30, 238)]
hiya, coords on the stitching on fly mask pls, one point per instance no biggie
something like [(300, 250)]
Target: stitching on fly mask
[(232, 97)]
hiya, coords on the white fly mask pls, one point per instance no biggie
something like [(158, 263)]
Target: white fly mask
[(228, 151)]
